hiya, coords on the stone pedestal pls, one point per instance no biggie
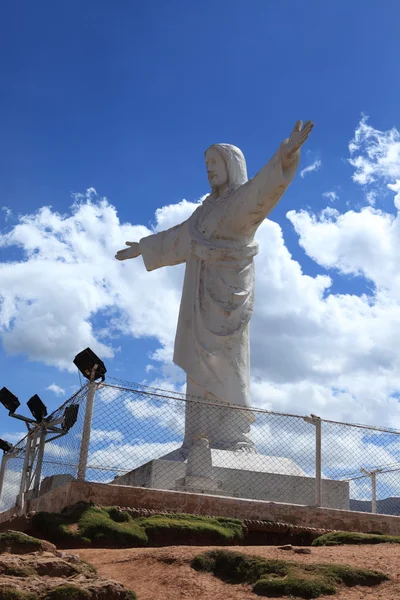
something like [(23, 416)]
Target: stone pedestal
[(199, 470)]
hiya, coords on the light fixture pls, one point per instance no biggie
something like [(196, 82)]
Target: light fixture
[(8, 400), (5, 446), (90, 365), (37, 408), (70, 416)]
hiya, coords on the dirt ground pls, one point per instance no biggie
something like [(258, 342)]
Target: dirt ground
[(165, 573)]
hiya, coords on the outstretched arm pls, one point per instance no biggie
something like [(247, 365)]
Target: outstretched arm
[(261, 194), (162, 249)]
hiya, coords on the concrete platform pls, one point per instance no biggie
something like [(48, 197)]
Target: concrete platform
[(202, 504)]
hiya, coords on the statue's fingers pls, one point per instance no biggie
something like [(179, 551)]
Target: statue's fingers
[(130, 243), (305, 133), (308, 125), (298, 125)]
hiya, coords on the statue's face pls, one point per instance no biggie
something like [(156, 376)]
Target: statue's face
[(216, 168)]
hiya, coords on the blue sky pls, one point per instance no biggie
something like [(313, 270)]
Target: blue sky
[(124, 98)]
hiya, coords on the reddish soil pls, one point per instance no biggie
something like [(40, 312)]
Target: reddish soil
[(165, 573)]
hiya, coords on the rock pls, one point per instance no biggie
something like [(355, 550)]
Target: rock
[(286, 547), (302, 550), (16, 542), (39, 574)]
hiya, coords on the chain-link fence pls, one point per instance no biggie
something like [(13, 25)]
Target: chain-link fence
[(162, 439)]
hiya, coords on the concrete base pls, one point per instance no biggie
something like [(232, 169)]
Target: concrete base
[(203, 504), (243, 475), (200, 485)]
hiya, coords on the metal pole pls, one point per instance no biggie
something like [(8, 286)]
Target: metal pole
[(318, 462), (373, 485), (4, 459), (39, 461), (372, 476), (316, 421), (20, 498), (84, 453)]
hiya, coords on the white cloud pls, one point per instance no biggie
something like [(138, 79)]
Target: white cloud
[(331, 196), (395, 187), (7, 212), (14, 437), (106, 435), (56, 389), (70, 275), (374, 154), (315, 166), (126, 457), (167, 415)]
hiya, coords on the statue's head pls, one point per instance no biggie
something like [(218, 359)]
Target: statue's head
[(226, 165)]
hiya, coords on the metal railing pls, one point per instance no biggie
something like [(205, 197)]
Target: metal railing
[(135, 435)]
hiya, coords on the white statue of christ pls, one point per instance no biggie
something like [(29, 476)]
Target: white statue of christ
[(217, 245)]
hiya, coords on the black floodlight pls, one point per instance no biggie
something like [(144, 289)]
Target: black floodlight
[(8, 400), (70, 416), (37, 408), (5, 446), (88, 363)]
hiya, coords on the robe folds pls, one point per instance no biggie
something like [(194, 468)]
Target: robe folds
[(217, 244)]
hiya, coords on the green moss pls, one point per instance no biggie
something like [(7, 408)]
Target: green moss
[(235, 567), (110, 526), (7, 593), (277, 578), (129, 595), (23, 571), (344, 537), (97, 526), (117, 515), (351, 575), (89, 526), (190, 529), (18, 543), (67, 592), (293, 586)]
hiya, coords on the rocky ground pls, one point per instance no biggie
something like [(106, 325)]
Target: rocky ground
[(165, 573), (31, 569)]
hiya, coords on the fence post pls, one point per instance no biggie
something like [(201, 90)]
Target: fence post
[(39, 461), (2, 472), (372, 476), (316, 421), (84, 453), (30, 445)]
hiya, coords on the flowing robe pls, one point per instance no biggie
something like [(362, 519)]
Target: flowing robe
[(217, 244)]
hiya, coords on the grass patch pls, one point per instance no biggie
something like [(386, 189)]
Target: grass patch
[(88, 526), (190, 529), (17, 542), (7, 593), (235, 567), (293, 586), (15, 571), (277, 578), (68, 592), (339, 538), (350, 575), (112, 527)]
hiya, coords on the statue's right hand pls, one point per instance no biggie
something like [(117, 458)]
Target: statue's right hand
[(131, 252)]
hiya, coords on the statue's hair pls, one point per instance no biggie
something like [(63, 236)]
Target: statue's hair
[(235, 163)]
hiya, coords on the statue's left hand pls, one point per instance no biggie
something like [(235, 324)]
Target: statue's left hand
[(131, 252), (296, 140)]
